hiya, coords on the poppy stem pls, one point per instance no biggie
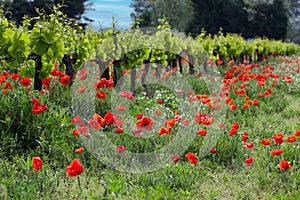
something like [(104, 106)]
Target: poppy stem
[(79, 185), (41, 183)]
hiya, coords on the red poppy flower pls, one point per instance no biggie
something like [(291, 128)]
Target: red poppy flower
[(190, 92), (81, 89), (265, 142), (277, 152), (99, 84), (158, 113), (245, 106), (120, 149), (101, 95), (56, 72), (160, 101), (109, 84), (99, 118), (15, 76), (249, 145), (137, 132), (25, 81), (109, 118), (130, 97), (234, 128), (218, 106), (191, 99), (205, 101), (65, 80), (227, 100), (205, 119), (170, 122), (185, 122), (139, 116), (94, 124), (37, 110), (278, 138), (232, 131), (5, 74), (118, 122), (261, 83), (192, 158), (297, 133), (249, 161), (83, 76), (255, 102), (177, 112), (230, 63), (175, 158), (145, 123), (284, 164), (267, 93), (119, 130), (43, 92), (2, 79), (245, 137), (124, 94), (235, 125), (234, 107), (76, 119), (37, 107), (79, 150), (220, 62), (259, 95), (46, 81), (33, 100), (37, 164), (164, 131), (221, 125), (121, 108), (8, 85), (291, 139), (81, 130), (74, 169), (202, 132), (213, 150), (241, 92)]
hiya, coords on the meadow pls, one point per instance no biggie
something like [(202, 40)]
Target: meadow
[(255, 157)]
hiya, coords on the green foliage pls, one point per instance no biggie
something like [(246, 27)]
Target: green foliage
[(231, 46), (22, 130)]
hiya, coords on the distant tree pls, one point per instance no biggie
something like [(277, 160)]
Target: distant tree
[(143, 13), (250, 18), (269, 19), (293, 32), (179, 13), (73, 8), (18, 8), (212, 15)]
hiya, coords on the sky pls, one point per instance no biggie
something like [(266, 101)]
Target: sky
[(103, 10)]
